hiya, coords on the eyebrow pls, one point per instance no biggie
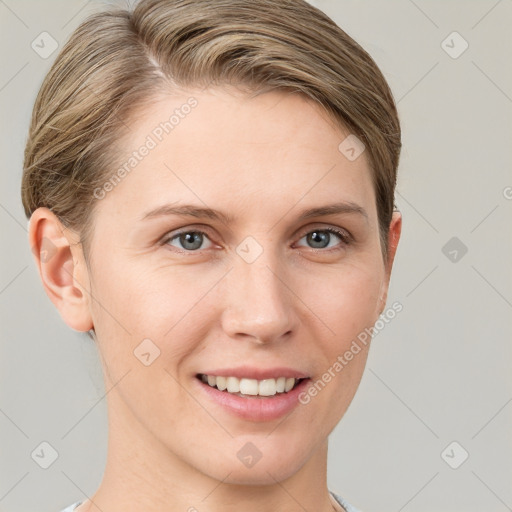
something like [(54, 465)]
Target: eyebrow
[(189, 210)]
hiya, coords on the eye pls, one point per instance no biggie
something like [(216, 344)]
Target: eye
[(195, 240), (324, 238), (188, 240)]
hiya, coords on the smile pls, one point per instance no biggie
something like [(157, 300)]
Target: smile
[(246, 387), (256, 395)]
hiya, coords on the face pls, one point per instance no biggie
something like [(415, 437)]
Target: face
[(241, 246)]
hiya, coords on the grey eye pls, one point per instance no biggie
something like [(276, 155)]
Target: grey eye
[(318, 239), (323, 238), (189, 240)]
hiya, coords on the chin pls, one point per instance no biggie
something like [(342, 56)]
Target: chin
[(249, 466), (258, 475)]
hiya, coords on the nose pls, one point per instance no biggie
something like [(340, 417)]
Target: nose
[(258, 303)]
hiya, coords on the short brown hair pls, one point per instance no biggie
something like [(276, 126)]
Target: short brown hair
[(117, 60)]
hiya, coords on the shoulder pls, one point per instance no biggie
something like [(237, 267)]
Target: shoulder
[(347, 506)]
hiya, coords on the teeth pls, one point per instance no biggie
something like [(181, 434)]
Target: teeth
[(249, 387), (280, 384), (267, 387), (233, 384), (221, 383), (253, 387), (289, 385)]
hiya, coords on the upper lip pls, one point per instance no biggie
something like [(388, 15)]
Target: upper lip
[(250, 372)]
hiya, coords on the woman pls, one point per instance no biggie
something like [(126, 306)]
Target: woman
[(210, 190)]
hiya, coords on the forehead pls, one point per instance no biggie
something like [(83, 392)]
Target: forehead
[(222, 148)]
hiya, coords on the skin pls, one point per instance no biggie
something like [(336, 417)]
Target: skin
[(262, 161)]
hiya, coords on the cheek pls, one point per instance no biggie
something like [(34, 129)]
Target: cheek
[(169, 306), (143, 302), (346, 300), (146, 324), (349, 307)]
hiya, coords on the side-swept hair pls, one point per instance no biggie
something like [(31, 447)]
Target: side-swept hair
[(117, 60)]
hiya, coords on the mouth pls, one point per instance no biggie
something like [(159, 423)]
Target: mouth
[(255, 395), (251, 388)]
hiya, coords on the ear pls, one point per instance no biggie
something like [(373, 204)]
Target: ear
[(60, 261), (395, 229)]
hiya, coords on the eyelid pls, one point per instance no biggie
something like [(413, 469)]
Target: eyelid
[(319, 226)]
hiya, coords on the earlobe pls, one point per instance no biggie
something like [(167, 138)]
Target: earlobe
[(61, 265)]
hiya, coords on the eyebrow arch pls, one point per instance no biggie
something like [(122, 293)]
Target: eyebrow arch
[(200, 212), (332, 209), (188, 210)]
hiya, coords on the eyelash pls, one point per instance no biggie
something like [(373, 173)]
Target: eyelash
[(345, 237)]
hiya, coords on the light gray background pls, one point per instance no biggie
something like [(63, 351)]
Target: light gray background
[(438, 373)]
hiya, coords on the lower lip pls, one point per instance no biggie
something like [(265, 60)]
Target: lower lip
[(255, 408)]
